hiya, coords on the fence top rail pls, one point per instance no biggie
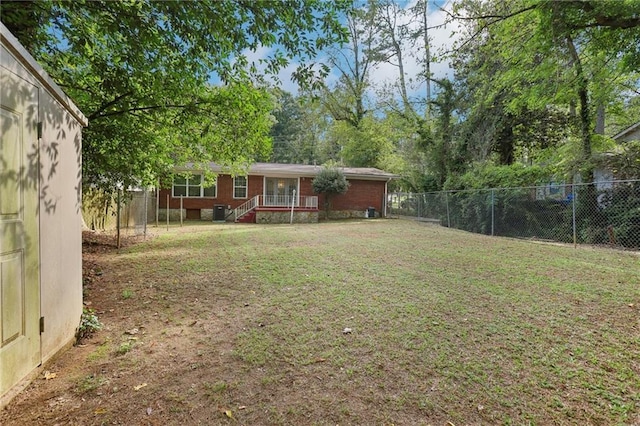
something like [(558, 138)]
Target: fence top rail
[(602, 182)]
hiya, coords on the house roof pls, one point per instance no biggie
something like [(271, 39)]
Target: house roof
[(627, 131), (306, 170)]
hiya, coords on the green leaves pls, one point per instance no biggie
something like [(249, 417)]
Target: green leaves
[(330, 180), (534, 73), (141, 71)]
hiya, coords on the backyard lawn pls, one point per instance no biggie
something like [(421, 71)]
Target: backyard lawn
[(372, 322)]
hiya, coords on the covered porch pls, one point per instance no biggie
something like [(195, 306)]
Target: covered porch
[(278, 209)]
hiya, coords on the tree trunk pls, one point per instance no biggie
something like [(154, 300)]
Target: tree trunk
[(600, 119), (586, 171)]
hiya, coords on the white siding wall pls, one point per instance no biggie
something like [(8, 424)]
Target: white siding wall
[(59, 214)]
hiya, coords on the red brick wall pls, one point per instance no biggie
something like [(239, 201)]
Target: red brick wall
[(225, 195), (361, 195)]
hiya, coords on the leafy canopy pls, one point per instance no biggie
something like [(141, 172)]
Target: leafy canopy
[(140, 70), (534, 73)]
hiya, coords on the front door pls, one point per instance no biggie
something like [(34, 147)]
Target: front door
[(19, 239), (279, 191)]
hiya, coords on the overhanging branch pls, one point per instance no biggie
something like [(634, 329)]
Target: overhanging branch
[(493, 17), (149, 108)]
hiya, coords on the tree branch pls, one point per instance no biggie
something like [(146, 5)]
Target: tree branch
[(495, 18), (137, 109), (611, 22), (104, 106), (615, 22)]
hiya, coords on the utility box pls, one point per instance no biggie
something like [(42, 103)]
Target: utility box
[(219, 213), (371, 212)]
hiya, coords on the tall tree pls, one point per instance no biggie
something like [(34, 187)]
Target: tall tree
[(404, 32), (442, 154), (301, 124), (391, 46), (554, 52), (346, 100), (139, 69), (369, 145), (287, 129)]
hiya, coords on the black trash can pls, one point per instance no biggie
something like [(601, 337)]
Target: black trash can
[(219, 212), (371, 212)]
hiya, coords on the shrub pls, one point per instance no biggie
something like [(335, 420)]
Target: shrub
[(330, 181), (490, 176), (89, 324)]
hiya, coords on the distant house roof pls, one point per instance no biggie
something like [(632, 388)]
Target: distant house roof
[(631, 132), (306, 170)]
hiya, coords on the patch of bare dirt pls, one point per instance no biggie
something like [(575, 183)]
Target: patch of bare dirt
[(162, 357)]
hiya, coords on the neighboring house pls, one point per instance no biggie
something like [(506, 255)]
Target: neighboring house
[(269, 191), (40, 221), (603, 174), (629, 134), (604, 170)]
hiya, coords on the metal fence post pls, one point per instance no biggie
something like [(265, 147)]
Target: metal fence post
[(293, 203), (118, 220), (538, 212), (492, 210), (446, 197), (158, 204), (573, 214), (146, 211)]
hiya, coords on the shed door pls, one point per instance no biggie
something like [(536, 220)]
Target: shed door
[(19, 240)]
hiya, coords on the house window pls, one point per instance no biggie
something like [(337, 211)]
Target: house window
[(240, 187), (192, 186), (210, 191)]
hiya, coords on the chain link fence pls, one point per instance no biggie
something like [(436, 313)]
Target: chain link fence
[(606, 213), (119, 212)]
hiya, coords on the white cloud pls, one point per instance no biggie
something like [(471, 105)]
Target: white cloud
[(441, 40), (284, 76)]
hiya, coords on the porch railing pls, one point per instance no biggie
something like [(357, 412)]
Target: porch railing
[(302, 202), (245, 208)]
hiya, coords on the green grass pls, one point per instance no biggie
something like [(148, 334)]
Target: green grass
[(90, 383), (446, 325), (212, 390), (125, 347), (101, 352)]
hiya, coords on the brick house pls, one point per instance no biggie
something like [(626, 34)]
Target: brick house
[(268, 193)]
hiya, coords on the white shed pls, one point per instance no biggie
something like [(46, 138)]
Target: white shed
[(40, 217)]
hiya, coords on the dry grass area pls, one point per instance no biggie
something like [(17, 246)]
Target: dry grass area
[(374, 322)]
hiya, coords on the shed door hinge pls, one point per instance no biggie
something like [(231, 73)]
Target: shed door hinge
[(41, 325)]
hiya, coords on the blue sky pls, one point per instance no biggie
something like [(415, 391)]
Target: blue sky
[(441, 39)]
